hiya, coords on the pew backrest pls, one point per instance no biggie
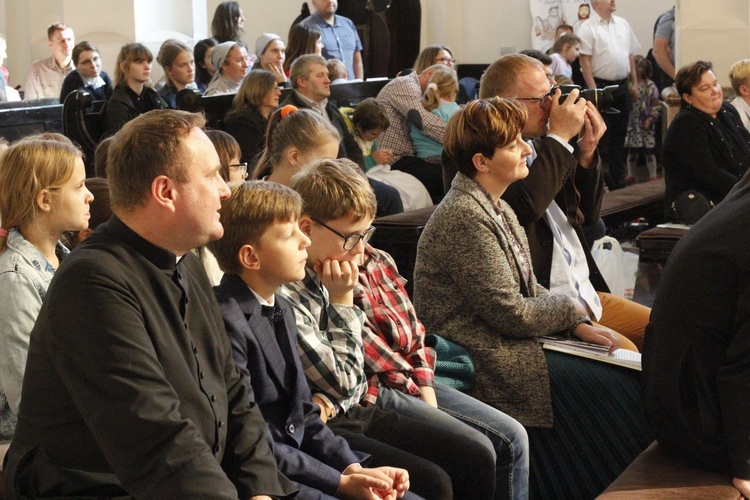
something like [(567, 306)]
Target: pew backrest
[(216, 107), (21, 118)]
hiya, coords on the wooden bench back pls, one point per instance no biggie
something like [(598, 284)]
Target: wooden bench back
[(216, 107), (22, 118)]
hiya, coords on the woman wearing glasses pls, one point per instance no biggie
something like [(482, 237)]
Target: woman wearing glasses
[(232, 169), (253, 104), (433, 54), (475, 284)]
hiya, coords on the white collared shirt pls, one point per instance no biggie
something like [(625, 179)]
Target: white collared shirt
[(610, 45), (569, 272), (743, 108)]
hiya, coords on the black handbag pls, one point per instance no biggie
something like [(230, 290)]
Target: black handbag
[(690, 206)]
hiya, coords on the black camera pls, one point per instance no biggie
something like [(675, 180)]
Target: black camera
[(602, 98)]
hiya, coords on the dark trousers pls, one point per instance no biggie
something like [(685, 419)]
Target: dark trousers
[(389, 201), (613, 141), (440, 464), (429, 174)]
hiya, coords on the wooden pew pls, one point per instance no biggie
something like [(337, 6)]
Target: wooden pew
[(652, 476), (22, 118), (639, 200), (83, 123), (216, 107)]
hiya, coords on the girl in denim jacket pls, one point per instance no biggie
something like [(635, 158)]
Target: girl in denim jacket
[(43, 195)]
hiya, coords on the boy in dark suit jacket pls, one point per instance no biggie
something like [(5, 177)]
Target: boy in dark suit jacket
[(262, 249)]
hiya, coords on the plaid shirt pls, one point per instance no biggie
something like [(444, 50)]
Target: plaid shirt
[(398, 97), (45, 79), (395, 354), (329, 341)]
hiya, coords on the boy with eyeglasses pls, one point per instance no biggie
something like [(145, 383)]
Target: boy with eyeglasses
[(263, 248), (339, 208)]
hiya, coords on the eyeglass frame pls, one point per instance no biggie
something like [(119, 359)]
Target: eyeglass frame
[(544, 100), (445, 60), (364, 237), (242, 166)]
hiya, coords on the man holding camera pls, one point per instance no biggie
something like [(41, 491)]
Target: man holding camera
[(608, 45), (562, 192)]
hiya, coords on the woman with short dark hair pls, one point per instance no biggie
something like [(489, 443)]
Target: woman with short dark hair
[(706, 148), (88, 75), (474, 283)]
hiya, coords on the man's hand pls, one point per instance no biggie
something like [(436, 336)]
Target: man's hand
[(597, 335), (339, 277), (593, 130), (566, 119), (382, 156), (372, 484)]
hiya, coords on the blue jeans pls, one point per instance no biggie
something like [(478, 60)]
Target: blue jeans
[(501, 433)]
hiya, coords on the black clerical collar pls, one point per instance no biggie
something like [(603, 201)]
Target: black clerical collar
[(163, 259)]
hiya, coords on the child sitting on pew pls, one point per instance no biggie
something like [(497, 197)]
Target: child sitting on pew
[(367, 122), (339, 207), (263, 248), (440, 99)]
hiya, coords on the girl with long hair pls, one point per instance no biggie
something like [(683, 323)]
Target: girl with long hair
[(43, 195)]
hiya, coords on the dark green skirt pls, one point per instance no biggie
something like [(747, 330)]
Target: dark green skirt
[(599, 428)]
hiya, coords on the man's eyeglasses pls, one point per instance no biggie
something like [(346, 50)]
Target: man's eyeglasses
[(543, 101), (240, 167), (445, 60), (350, 240)]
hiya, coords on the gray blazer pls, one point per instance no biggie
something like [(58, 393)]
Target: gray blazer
[(469, 288)]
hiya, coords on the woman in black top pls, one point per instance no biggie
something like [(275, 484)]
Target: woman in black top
[(707, 148), (247, 121), (88, 74), (132, 95)]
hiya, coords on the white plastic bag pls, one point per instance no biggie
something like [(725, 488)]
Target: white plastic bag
[(619, 268)]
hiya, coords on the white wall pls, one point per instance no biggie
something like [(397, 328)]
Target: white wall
[(478, 31), (488, 28)]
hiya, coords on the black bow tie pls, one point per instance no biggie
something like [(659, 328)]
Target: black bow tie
[(273, 313)]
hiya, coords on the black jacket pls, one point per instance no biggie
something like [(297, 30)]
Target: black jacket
[(74, 82), (704, 153), (696, 354), (130, 387), (248, 127), (120, 109)]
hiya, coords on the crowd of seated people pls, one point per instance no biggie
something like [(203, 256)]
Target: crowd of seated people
[(331, 352)]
